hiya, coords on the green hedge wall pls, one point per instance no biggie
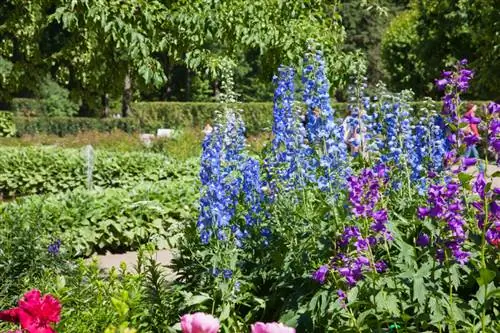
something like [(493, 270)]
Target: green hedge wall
[(258, 116), (25, 171), (148, 116), (71, 125)]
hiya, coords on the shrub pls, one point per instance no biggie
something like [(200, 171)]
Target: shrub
[(55, 100), (149, 116), (7, 126), (49, 170)]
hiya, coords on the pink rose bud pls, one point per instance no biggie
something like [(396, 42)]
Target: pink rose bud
[(271, 328), (199, 322)]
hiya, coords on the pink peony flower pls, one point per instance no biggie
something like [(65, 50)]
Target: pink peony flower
[(35, 312), (199, 322), (259, 327)]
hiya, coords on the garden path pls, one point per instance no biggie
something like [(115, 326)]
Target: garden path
[(491, 169), (109, 260)]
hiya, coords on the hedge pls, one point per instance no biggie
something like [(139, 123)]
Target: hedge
[(41, 170), (148, 116), (71, 125)]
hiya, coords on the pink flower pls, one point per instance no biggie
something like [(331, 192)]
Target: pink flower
[(199, 322), (35, 313), (259, 327)]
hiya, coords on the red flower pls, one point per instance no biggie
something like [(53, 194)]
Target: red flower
[(11, 315), (35, 313)]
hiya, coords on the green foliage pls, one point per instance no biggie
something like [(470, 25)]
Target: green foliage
[(7, 126), (402, 64), (72, 125), (149, 116), (55, 100), (258, 116), (27, 107), (49, 170), (434, 34), (108, 220)]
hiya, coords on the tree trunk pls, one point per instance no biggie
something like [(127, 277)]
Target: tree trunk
[(105, 104), (216, 88), (127, 95)]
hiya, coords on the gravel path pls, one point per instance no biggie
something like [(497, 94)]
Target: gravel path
[(110, 260), (491, 170)]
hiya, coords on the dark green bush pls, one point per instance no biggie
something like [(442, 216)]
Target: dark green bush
[(71, 125), (55, 99), (25, 171)]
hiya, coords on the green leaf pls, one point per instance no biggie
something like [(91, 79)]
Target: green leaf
[(419, 290), (225, 312), (465, 178), (198, 299), (485, 276)]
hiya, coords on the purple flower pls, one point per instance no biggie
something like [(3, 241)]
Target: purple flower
[(54, 247), (380, 266), (320, 274), (468, 161), (423, 212), (423, 240), (361, 244), (227, 273), (479, 185), (471, 139), (493, 108), (442, 83)]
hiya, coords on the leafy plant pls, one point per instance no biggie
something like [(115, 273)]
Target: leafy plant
[(7, 126), (51, 170)]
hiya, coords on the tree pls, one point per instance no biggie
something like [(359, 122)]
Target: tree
[(112, 41), (21, 63), (435, 35)]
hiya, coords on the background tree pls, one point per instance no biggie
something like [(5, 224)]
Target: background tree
[(434, 35)]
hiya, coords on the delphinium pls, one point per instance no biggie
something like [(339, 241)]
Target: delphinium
[(418, 150), (358, 116), (228, 177), (445, 209), (358, 246), (323, 132), (487, 207), (454, 83), (290, 161), (494, 130)]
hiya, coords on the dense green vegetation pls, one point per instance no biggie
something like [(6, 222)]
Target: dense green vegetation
[(112, 219), (50, 170), (93, 56)]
